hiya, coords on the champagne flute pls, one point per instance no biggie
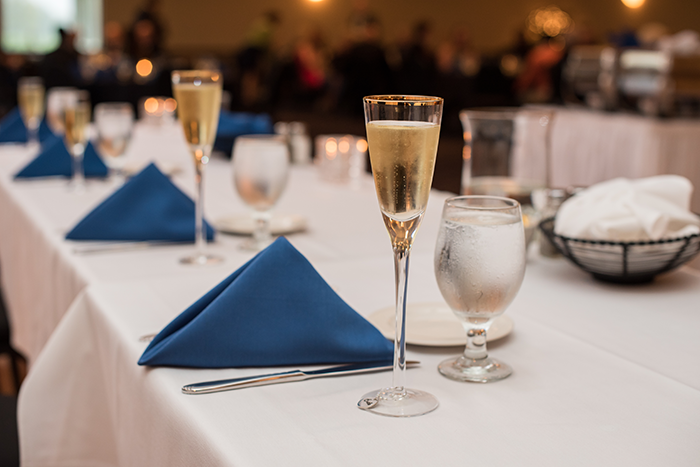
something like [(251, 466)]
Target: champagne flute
[(76, 118), (115, 122), (260, 171), (479, 266), (198, 96), (402, 133), (30, 95)]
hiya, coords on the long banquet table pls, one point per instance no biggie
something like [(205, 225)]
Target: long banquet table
[(603, 374)]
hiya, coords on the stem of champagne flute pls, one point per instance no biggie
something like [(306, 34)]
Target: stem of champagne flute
[(33, 134), (78, 179), (199, 234), (401, 260)]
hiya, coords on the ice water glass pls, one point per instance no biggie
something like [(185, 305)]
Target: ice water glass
[(479, 266), (260, 171), (115, 123)]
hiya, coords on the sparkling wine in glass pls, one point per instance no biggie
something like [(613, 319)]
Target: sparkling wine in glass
[(115, 123), (402, 133), (198, 96), (479, 266), (30, 95), (76, 118), (260, 171)]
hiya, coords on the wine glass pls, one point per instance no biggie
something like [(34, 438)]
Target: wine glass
[(30, 95), (76, 118), (198, 96), (260, 171), (114, 122), (402, 133), (56, 101), (479, 266)]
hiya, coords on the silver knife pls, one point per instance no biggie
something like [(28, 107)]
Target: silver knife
[(287, 377), (122, 246)]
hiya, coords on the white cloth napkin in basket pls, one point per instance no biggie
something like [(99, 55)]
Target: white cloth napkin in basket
[(625, 210)]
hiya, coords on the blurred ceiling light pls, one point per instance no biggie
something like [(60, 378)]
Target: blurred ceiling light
[(144, 67), (362, 145), (633, 3), (315, 1), (550, 21)]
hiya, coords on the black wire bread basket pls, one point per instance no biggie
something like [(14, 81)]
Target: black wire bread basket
[(624, 262)]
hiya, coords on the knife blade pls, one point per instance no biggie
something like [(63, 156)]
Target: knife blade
[(208, 387)]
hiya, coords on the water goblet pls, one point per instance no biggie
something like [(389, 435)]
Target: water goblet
[(479, 266), (402, 133), (76, 118), (114, 122), (30, 96), (56, 101), (198, 96), (260, 171)]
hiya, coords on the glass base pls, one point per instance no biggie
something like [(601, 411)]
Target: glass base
[(484, 370), (392, 403), (202, 260)]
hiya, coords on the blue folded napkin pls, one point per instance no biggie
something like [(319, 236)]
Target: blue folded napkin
[(12, 129), (234, 124), (146, 208), (275, 310), (55, 161)]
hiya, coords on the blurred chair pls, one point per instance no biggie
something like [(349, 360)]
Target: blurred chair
[(7, 349), (682, 90)]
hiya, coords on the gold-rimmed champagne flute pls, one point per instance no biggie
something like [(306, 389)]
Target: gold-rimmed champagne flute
[(403, 134), (30, 97), (76, 118), (198, 96)]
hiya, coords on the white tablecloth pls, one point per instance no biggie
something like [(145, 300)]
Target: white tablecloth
[(590, 146), (604, 374)]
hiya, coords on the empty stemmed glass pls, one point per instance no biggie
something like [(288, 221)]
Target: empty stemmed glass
[(402, 133), (56, 101), (260, 172), (198, 96), (76, 118), (114, 122), (30, 96), (479, 266)]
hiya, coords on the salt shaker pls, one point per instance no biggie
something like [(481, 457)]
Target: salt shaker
[(547, 202)]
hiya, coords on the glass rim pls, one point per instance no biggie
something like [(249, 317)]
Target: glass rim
[(510, 203), (395, 99), (188, 75)]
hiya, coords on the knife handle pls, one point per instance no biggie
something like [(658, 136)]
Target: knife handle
[(245, 382)]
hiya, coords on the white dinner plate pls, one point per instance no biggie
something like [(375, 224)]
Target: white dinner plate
[(434, 324), (243, 224)]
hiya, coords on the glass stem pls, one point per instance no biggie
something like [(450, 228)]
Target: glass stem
[(476, 344), (261, 233), (200, 240), (401, 260), (33, 135), (78, 153)]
